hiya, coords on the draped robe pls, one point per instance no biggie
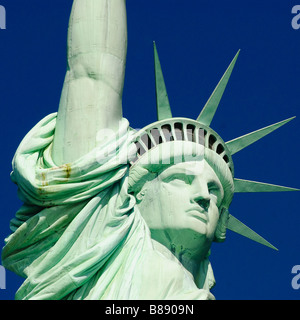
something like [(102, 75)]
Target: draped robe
[(79, 234)]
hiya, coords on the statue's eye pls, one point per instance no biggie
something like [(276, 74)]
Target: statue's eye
[(215, 192), (213, 189)]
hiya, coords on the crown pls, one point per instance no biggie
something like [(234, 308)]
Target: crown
[(181, 129), (168, 129)]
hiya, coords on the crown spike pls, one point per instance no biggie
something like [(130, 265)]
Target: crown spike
[(237, 226), (210, 108), (241, 186), (162, 100), (242, 142)]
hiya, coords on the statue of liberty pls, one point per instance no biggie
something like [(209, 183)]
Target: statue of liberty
[(114, 213)]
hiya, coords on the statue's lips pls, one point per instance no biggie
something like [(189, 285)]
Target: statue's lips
[(198, 214)]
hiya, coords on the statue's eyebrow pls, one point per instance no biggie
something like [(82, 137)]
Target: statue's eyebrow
[(179, 170)]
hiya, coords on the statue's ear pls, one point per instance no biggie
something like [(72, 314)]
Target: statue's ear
[(220, 234)]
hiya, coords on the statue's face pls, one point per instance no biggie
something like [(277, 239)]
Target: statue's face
[(181, 207)]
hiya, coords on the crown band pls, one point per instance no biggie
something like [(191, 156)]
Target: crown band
[(180, 129)]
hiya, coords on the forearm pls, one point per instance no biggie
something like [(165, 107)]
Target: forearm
[(92, 94), (97, 40)]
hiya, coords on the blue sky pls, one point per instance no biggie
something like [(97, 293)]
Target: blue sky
[(196, 41)]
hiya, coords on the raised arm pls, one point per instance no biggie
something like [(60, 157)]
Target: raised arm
[(91, 98)]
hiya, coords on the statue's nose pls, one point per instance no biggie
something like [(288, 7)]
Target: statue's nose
[(202, 197), (201, 193), (204, 203)]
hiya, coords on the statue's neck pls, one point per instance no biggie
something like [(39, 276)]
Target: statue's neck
[(198, 269)]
